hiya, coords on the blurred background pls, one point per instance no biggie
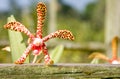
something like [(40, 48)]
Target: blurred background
[(84, 18)]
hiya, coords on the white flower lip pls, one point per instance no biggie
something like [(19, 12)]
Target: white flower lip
[(37, 41)]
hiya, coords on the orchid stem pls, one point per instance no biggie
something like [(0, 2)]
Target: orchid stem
[(35, 58)]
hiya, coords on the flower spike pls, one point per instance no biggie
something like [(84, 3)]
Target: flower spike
[(17, 26)]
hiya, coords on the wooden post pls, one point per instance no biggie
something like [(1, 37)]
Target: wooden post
[(52, 27), (52, 15), (27, 19), (60, 71), (112, 22)]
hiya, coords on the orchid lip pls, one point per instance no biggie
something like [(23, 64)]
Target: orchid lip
[(37, 41)]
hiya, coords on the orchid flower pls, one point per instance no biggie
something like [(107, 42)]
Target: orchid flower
[(37, 42), (114, 59)]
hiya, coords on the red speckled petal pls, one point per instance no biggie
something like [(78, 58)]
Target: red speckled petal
[(64, 34), (24, 55), (16, 26), (41, 12)]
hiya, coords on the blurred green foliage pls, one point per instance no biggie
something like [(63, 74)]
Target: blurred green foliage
[(87, 25)]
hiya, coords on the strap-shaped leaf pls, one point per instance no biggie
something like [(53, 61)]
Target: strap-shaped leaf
[(56, 53), (16, 45)]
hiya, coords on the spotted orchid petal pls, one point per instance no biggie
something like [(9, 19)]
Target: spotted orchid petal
[(24, 55), (64, 34), (41, 12), (114, 47), (98, 55), (17, 26), (48, 60)]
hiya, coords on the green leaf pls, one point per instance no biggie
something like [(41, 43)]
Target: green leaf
[(16, 44), (56, 53)]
